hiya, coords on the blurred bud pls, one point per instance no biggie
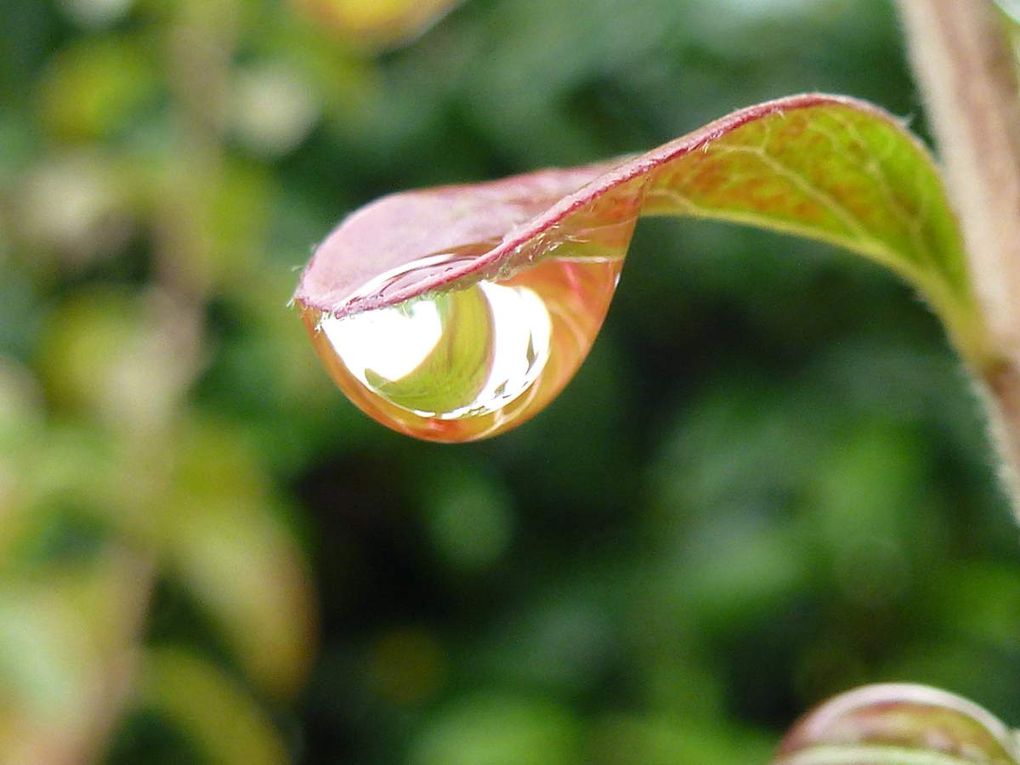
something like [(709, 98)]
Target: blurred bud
[(20, 426), (671, 739), (20, 406), (898, 723), (273, 109), (48, 673), (20, 421), (376, 23)]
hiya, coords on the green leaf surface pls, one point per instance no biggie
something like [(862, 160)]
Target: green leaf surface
[(824, 167)]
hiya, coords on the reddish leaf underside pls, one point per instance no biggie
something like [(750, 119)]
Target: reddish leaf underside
[(825, 167)]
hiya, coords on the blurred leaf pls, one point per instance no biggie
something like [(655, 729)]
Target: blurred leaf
[(500, 730), (219, 535), (637, 741), (376, 23), (719, 458), (84, 343), (869, 513), (17, 134), (898, 725), (74, 466), (46, 664), (469, 518), (737, 569), (236, 205), (94, 87), (563, 642), (65, 655), (118, 354), (212, 217), (981, 600), (211, 709)]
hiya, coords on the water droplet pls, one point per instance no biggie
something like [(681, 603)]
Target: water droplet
[(470, 362)]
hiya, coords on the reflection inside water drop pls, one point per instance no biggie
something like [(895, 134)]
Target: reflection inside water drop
[(472, 362), (465, 353)]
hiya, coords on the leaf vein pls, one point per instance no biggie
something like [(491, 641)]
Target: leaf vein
[(826, 200)]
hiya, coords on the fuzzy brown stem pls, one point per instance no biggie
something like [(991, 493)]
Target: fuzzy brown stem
[(964, 63)]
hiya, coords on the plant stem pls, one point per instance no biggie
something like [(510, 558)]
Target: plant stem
[(963, 61)]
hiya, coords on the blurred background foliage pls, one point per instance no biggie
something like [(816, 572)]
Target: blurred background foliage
[(769, 483)]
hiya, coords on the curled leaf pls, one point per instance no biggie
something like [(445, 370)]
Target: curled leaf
[(898, 724), (824, 167)]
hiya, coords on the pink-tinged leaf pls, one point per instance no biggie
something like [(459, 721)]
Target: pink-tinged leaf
[(824, 167), (898, 724)]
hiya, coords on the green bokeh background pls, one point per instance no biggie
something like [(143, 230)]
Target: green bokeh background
[(769, 483)]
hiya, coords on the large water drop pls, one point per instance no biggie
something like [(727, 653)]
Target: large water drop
[(474, 360)]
